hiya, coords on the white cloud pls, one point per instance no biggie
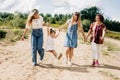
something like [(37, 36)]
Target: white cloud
[(53, 6), (61, 6), (60, 10), (18, 5), (75, 5), (65, 10), (59, 2), (7, 4)]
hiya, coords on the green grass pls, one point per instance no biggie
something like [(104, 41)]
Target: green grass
[(109, 75), (112, 34), (55, 25), (13, 35), (109, 48), (105, 52), (112, 47)]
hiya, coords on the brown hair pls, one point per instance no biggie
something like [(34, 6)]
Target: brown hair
[(77, 14), (100, 17), (31, 16), (52, 31)]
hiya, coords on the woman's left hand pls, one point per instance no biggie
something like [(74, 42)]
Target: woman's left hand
[(79, 21), (101, 38), (85, 39)]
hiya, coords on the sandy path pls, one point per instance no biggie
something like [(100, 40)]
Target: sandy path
[(15, 64)]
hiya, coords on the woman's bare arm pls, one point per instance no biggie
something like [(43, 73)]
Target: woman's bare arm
[(103, 33), (24, 33), (81, 30), (64, 26), (48, 31), (89, 32), (57, 35), (44, 24)]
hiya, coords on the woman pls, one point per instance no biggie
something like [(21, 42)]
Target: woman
[(35, 21), (97, 31), (73, 25)]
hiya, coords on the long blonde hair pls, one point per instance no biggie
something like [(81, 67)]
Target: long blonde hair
[(31, 16)]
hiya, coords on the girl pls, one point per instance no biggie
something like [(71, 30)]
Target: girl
[(73, 25), (97, 31), (35, 21), (50, 42)]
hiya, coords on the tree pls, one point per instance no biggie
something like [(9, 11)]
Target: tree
[(86, 24), (56, 17), (52, 21), (90, 13), (48, 15), (42, 14)]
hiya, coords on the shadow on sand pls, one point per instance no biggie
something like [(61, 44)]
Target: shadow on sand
[(77, 68), (70, 68), (101, 66)]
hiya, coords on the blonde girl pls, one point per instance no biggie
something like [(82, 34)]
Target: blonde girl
[(35, 21)]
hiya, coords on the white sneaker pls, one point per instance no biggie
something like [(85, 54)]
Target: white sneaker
[(41, 61), (34, 64), (65, 60), (69, 63)]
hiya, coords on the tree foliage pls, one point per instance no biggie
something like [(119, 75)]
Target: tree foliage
[(18, 19)]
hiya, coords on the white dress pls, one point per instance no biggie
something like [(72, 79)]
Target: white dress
[(50, 43)]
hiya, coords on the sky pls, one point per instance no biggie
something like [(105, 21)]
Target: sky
[(110, 8)]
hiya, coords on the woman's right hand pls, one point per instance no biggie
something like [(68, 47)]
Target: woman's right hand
[(47, 24), (85, 39), (22, 38), (59, 29)]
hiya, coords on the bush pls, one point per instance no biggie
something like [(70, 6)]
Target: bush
[(55, 25), (2, 34), (115, 35), (86, 24), (17, 31), (13, 35), (18, 23)]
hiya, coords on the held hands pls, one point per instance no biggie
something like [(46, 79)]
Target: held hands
[(47, 24), (78, 21), (22, 38), (60, 29), (85, 39), (102, 38)]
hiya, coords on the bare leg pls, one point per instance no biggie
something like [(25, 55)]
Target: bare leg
[(53, 52), (67, 53), (69, 57), (71, 54)]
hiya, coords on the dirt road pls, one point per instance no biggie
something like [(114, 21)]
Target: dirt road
[(15, 63)]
